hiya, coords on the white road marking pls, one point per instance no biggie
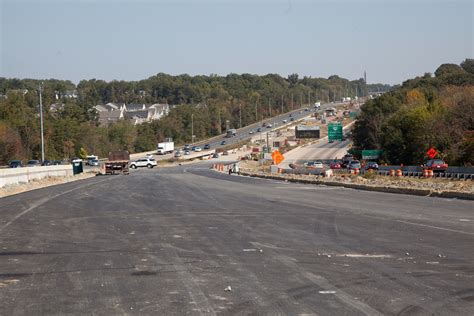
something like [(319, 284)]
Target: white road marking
[(359, 255)]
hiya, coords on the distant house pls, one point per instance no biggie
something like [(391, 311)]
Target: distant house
[(133, 107), (137, 113), (101, 108), (55, 107), (115, 106), (18, 91), (70, 94), (108, 117), (158, 110), (138, 117)]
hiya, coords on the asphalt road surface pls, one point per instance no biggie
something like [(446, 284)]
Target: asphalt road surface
[(170, 241)]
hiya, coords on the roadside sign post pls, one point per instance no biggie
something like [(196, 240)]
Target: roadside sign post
[(277, 157), (432, 153)]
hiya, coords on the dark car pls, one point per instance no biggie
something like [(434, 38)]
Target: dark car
[(47, 163), (207, 146), (186, 147), (223, 142), (215, 155), (435, 165), (15, 164), (346, 159), (259, 130), (33, 163), (372, 165), (57, 162)]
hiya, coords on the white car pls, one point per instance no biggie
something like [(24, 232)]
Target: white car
[(143, 162), (250, 132), (285, 120), (198, 149)]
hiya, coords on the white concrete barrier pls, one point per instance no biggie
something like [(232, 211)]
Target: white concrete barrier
[(27, 174)]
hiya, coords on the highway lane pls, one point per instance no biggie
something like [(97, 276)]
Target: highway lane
[(170, 240)]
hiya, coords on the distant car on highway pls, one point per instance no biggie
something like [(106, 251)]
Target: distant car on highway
[(197, 148), (223, 142), (193, 148), (346, 159), (94, 162), (314, 165), (15, 164), (33, 163), (284, 121), (186, 147), (435, 165), (353, 164), (250, 132), (149, 155), (269, 126), (207, 146), (215, 155), (372, 165), (47, 163), (178, 153), (187, 152), (335, 165), (259, 130), (143, 162)]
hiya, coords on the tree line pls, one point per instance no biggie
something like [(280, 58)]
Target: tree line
[(428, 111), (215, 102)]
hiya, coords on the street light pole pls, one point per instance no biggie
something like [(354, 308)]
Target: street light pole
[(282, 104), (41, 120), (240, 115), (256, 112), (192, 128)]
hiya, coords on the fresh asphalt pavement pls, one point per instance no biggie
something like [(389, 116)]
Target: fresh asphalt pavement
[(189, 240)]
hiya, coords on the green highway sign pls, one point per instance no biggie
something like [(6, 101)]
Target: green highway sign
[(335, 131), (371, 154)]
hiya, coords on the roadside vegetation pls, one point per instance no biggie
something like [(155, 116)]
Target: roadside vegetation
[(212, 102), (429, 111)]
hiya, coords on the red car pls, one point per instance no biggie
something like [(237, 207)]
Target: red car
[(335, 165), (435, 165)]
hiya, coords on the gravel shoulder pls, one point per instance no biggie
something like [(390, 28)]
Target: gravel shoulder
[(418, 186), (46, 182)]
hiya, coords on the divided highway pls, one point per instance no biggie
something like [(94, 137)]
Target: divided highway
[(189, 240)]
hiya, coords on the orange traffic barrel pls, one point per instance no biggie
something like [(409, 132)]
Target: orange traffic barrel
[(356, 171), (430, 173), (392, 172), (399, 173), (425, 173)]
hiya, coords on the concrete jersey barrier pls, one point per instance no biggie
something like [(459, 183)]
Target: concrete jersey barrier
[(27, 174)]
